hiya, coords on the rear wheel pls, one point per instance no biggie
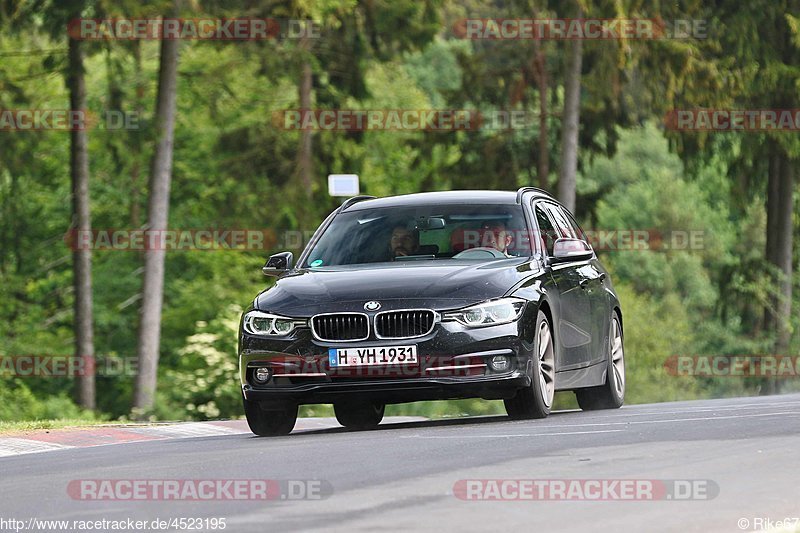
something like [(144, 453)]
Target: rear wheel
[(535, 400), (611, 394), (270, 420), (359, 415)]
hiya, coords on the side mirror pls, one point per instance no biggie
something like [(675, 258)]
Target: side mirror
[(278, 264), (572, 250)]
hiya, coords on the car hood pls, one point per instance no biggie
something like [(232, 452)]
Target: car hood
[(436, 285)]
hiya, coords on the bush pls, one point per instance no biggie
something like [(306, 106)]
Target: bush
[(18, 403), (204, 383)]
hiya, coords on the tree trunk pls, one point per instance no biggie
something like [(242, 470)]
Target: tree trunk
[(570, 126), (304, 163), (779, 253), (773, 182), (783, 255), (157, 217), (81, 221), (4, 230), (305, 166), (540, 70), (136, 145)]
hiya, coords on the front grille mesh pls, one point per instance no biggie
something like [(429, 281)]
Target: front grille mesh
[(399, 324), (341, 327)]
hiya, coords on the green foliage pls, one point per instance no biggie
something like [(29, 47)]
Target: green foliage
[(447, 409), (654, 330), (235, 167), (203, 383), (18, 403), (658, 199)]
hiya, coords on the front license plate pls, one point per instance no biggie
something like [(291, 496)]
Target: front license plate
[(372, 356)]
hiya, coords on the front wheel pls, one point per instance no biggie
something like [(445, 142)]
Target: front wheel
[(270, 420), (611, 394), (535, 400), (359, 415)]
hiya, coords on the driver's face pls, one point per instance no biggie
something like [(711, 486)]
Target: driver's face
[(495, 237), (403, 242)]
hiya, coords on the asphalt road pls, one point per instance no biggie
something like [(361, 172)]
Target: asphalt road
[(402, 476)]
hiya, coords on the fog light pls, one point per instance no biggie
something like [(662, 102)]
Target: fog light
[(500, 363), (262, 375)]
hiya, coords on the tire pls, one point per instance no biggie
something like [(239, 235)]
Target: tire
[(359, 415), (536, 400), (611, 394), (277, 419)]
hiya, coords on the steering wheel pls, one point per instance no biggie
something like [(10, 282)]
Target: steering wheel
[(484, 252)]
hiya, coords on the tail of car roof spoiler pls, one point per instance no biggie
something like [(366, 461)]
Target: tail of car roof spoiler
[(354, 200), (523, 190)]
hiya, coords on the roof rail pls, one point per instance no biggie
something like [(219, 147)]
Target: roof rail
[(523, 190), (354, 200)]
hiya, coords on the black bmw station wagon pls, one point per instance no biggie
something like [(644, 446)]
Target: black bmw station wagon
[(461, 294)]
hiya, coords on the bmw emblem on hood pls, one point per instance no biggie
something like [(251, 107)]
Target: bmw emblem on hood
[(372, 306)]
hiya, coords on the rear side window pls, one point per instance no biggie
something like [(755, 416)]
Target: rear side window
[(547, 233), (563, 225), (575, 227)]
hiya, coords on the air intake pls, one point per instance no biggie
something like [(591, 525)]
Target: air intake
[(404, 324), (340, 327)]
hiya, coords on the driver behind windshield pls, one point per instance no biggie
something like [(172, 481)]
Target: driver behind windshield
[(494, 235), (403, 242)]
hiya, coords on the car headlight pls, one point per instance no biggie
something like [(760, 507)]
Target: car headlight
[(260, 323), (489, 313)]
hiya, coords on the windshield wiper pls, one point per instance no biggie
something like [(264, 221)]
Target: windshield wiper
[(414, 257)]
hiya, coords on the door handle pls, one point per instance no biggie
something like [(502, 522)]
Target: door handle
[(586, 281)]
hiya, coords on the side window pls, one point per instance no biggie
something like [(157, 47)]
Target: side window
[(575, 227), (548, 234), (563, 225)]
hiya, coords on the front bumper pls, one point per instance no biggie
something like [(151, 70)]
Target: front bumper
[(453, 364), (395, 390)]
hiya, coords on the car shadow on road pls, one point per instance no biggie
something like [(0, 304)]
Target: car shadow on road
[(442, 422)]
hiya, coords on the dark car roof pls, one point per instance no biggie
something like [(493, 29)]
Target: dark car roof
[(443, 197)]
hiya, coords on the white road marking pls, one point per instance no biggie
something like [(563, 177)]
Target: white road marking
[(704, 418), (191, 429), (510, 436), (749, 406), (558, 426), (13, 446), (184, 430)]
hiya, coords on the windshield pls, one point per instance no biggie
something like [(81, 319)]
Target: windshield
[(422, 233)]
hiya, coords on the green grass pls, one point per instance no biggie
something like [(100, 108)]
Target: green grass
[(33, 425)]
